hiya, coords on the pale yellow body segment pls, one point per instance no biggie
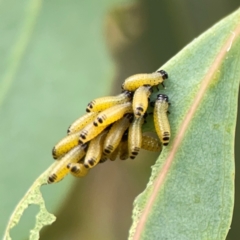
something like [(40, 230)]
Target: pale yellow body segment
[(103, 103), (135, 137), (78, 170), (95, 149), (115, 134), (62, 169), (81, 122), (160, 117), (138, 80), (112, 114), (151, 144), (113, 156), (140, 100), (65, 145), (89, 132), (123, 150)]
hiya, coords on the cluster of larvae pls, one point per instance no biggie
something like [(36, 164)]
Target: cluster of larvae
[(112, 127)]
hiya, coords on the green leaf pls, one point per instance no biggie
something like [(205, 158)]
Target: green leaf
[(33, 196), (190, 194)]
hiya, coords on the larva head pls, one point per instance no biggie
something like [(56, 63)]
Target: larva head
[(164, 74), (162, 97)]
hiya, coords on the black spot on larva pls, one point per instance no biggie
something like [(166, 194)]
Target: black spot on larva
[(83, 136), (95, 124), (165, 144), (140, 109), (52, 178), (132, 157), (69, 165), (54, 153), (87, 110), (90, 105), (91, 162), (75, 169), (166, 138), (86, 165), (100, 120), (134, 153), (107, 151), (103, 160)]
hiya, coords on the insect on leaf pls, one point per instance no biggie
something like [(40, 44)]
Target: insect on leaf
[(190, 194)]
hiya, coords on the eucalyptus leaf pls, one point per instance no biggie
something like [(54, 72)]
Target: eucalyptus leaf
[(190, 194)]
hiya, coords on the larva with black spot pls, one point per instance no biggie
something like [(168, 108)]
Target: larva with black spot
[(115, 134), (140, 100), (112, 114), (78, 170), (160, 117), (81, 122), (95, 149), (61, 169), (89, 132), (65, 145), (100, 104), (153, 79), (135, 137)]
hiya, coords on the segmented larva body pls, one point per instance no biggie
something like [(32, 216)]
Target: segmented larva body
[(123, 149), (89, 132), (160, 117), (81, 122), (103, 103), (65, 145), (78, 169), (61, 169), (151, 144), (115, 134), (95, 149), (114, 154), (112, 114), (132, 83), (140, 100), (135, 137)]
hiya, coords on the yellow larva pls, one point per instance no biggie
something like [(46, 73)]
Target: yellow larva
[(103, 103), (89, 132), (94, 152), (81, 122), (160, 117), (115, 134), (114, 154), (135, 137), (151, 144), (78, 169), (62, 169), (123, 149), (140, 100), (138, 80), (65, 145), (112, 114)]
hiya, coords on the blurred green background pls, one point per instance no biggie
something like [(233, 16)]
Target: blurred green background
[(56, 56)]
